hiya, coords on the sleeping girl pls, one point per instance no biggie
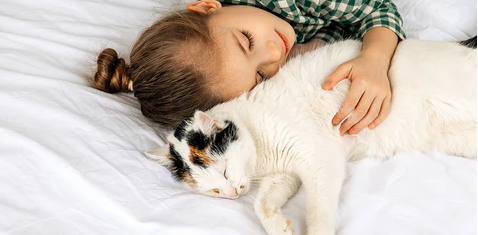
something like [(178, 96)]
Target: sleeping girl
[(212, 52)]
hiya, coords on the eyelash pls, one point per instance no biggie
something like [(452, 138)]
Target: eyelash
[(249, 37), (262, 75), (251, 46)]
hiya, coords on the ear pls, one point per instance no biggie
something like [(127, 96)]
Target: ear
[(160, 155), (204, 6), (208, 125)]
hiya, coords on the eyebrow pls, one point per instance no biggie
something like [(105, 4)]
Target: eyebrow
[(239, 43)]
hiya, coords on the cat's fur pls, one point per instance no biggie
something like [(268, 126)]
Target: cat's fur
[(281, 132)]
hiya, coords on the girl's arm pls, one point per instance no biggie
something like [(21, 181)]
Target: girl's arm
[(370, 94)]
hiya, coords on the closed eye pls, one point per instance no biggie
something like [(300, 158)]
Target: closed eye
[(249, 37), (262, 76), (225, 174)]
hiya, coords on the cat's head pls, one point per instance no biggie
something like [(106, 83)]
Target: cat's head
[(212, 156)]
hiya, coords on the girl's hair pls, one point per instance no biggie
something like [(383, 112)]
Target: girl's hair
[(171, 68)]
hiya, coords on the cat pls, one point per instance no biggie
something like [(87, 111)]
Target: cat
[(280, 134)]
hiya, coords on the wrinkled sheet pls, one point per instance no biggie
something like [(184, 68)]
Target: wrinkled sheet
[(71, 157)]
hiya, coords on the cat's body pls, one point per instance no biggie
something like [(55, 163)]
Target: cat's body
[(281, 132)]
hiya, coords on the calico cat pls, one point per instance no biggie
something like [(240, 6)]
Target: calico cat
[(281, 133)]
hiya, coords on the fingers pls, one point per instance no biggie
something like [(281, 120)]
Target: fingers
[(385, 109), (372, 114), (353, 97), (342, 72), (362, 109), (378, 111), (369, 96)]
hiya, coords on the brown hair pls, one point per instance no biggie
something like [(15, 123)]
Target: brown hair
[(168, 68)]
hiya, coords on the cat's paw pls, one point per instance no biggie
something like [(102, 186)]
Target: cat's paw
[(289, 229), (278, 225), (273, 221)]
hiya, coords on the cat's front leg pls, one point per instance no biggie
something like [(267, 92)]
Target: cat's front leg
[(322, 177), (274, 191)]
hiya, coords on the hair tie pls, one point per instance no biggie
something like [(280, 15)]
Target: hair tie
[(130, 85)]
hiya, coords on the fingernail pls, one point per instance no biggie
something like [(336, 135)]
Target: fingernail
[(335, 121), (352, 132), (371, 126), (325, 86)]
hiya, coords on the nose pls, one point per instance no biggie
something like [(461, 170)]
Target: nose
[(232, 192), (273, 54), (270, 58)]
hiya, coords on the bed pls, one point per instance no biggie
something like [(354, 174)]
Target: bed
[(71, 156)]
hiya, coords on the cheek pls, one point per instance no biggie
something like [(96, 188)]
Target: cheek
[(234, 89), (239, 77)]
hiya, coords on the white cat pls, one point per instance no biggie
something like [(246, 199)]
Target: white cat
[(281, 132)]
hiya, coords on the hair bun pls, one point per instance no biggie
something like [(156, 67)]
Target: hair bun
[(112, 74)]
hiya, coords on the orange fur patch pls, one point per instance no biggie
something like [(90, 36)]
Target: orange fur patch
[(265, 208), (201, 154), (189, 180), (268, 210)]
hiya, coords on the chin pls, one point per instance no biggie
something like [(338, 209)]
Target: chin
[(231, 198)]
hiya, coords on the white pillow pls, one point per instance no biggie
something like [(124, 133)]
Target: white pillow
[(441, 20)]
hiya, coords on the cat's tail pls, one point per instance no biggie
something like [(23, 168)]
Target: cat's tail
[(471, 43)]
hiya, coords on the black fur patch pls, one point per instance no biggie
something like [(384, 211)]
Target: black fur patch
[(471, 43), (198, 140), (198, 161), (180, 131), (224, 138), (178, 167)]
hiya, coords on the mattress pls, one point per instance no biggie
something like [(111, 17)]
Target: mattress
[(71, 156)]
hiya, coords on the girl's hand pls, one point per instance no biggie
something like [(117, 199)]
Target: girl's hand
[(369, 95)]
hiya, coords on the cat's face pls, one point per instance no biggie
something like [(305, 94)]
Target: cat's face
[(213, 157)]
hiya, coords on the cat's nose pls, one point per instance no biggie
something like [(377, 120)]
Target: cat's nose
[(233, 193)]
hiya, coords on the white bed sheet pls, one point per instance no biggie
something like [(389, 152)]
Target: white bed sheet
[(71, 157)]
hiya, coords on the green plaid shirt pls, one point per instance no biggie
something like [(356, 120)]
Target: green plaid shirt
[(331, 20)]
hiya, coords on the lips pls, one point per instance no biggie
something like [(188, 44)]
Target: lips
[(285, 40)]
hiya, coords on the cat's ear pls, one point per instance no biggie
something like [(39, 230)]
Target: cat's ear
[(160, 155), (208, 125)]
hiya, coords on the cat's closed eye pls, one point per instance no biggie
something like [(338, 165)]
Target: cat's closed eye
[(225, 174)]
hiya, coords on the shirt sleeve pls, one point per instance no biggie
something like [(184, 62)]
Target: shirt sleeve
[(385, 15), (330, 33)]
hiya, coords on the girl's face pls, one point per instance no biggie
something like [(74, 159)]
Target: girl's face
[(253, 44)]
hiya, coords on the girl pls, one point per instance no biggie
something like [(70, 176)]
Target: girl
[(211, 53)]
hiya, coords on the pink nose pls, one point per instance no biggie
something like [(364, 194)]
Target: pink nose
[(234, 193)]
